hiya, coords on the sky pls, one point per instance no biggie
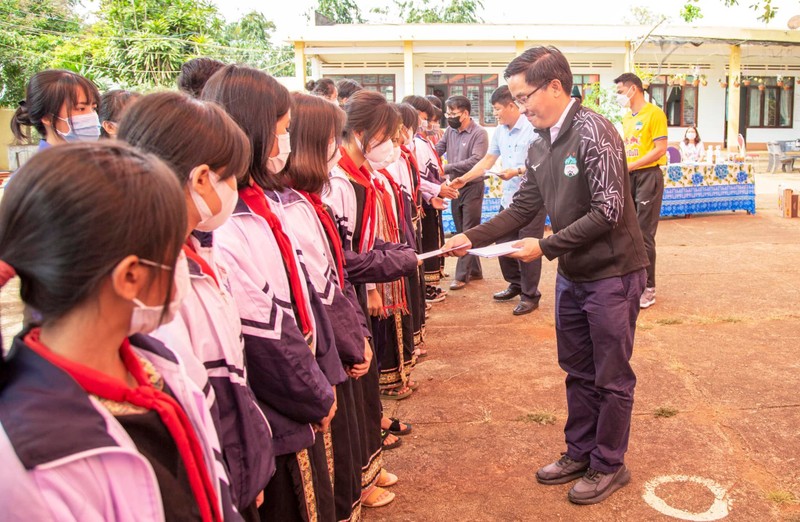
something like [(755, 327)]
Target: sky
[(290, 18)]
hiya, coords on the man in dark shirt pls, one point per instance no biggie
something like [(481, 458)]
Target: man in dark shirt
[(577, 172), (465, 143)]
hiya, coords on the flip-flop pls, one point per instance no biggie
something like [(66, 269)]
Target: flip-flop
[(386, 479), (412, 385), (392, 445), (378, 497), (396, 394), (395, 428)]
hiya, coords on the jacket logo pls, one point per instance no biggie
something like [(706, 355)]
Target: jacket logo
[(570, 166)]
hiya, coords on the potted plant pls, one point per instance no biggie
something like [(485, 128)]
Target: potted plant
[(736, 82), (761, 85), (746, 82), (779, 81), (723, 82), (703, 80)]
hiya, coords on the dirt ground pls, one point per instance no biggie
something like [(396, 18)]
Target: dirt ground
[(719, 352)]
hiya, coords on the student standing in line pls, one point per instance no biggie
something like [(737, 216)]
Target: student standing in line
[(291, 358), (368, 260), (112, 106), (645, 126), (345, 88), (208, 152), (195, 73), (98, 421), (433, 190), (61, 106)]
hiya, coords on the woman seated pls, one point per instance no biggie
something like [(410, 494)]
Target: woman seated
[(692, 149)]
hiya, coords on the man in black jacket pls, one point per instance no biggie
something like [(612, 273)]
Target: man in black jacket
[(577, 171)]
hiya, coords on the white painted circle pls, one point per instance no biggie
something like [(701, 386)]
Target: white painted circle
[(718, 510)]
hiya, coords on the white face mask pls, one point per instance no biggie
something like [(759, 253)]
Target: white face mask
[(334, 154), (146, 319), (408, 137), (227, 196), (691, 135), (380, 156), (395, 154), (83, 127), (623, 100), (276, 164), (423, 125)]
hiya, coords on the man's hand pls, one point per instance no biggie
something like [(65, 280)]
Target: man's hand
[(529, 250), (458, 183), (374, 303), (460, 243), (508, 174), (438, 203), (448, 191)]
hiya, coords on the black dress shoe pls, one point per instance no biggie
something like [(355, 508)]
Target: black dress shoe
[(525, 307), (508, 293)]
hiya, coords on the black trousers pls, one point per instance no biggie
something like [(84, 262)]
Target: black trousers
[(647, 188), (524, 276), (467, 214)]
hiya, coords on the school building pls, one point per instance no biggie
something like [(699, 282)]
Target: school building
[(726, 81)]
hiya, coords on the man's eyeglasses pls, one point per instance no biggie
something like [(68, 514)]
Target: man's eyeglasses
[(522, 100), (453, 115)]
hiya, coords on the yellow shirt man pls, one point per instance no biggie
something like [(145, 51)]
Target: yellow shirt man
[(641, 131)]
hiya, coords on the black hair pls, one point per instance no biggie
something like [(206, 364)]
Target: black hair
[(323, 87), (435, 100), (420, 103), (630, 79), (186, 132), (541, 65), (346, 87), (112, 104), (370, 113), (409, 116), (46, 92), (502, 96), (256, 101), (195, 73), (72, 212), (459, 102)]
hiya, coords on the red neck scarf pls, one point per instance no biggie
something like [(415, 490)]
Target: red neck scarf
[(369, 215), (398, 197), (188, 249), (255, 199), (330, 230), (144, 396)]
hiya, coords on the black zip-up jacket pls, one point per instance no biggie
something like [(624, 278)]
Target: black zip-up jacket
[(582, 180)]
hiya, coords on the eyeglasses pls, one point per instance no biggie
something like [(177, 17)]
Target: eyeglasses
[(522, 100), (453, 115)]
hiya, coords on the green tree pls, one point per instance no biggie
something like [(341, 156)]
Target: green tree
[(32, 32), (148, 40), (434, 11), (766, 11), (249, 40), (340, 11)]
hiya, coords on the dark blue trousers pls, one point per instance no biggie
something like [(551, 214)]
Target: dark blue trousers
[(595, 325)]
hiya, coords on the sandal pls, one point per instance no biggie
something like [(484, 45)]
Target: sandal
[(389, 445), (386, 479), (412, 385), (396, 427), (396, 394), (377, 497)]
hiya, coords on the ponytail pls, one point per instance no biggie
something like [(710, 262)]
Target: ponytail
[(21, 123)]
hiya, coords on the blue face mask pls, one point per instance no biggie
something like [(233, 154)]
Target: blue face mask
[(84, 127)]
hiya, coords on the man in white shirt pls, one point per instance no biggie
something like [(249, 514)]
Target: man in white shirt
[(510, 142)]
